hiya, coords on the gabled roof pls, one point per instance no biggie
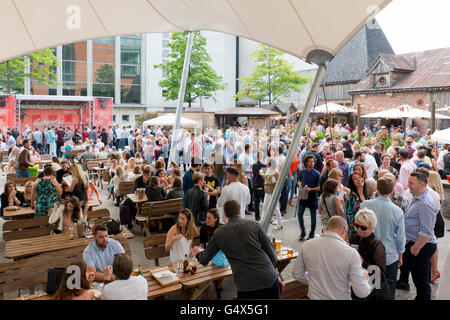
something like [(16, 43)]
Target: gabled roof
[(281, 108), (352, 61), (246, 101), (432, 71), (247, 112), (394, 62)]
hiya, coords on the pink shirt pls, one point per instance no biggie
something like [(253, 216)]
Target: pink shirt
[(405, 170)]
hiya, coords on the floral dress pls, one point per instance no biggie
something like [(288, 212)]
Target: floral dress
[(351, 208), (46, 197)]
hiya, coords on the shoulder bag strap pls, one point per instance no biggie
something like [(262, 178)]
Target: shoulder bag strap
[(325, 203)]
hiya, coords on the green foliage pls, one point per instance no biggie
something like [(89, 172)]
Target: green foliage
[(42, 69), (144, 117), (386, 140), (320, 137), (104, 81), (273, 77), (202, 79)]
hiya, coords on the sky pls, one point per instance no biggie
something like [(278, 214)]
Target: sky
[(416, 25)]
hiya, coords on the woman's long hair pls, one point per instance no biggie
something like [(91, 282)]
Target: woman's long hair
[(329, 188), (352, 185), (78, 173), (64, 293), (435, 183), (191, 231), (76, 210), (7, 184)]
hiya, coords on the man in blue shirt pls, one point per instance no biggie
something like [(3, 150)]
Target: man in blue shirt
[(187, 178), (390, 228), (310, 180), (11, 140), (421, 243), (52, 142), (99, 254)]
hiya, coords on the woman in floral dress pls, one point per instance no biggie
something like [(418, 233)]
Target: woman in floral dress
[(358, 194), (46, 193)]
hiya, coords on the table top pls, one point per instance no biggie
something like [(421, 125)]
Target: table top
[(204, 274), (133, 197), (27, 247), (93, 203), (16, 213), (155, 289), (100, 169), (284, 256)]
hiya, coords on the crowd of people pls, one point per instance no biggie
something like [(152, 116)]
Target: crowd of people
[(382, 199)]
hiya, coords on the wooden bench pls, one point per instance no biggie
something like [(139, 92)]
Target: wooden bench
[(22, 181), (30, 272), (154, 247), (294, 290), (125, 187), (158, 210), (27, 228), (98, 216), (45, 157)]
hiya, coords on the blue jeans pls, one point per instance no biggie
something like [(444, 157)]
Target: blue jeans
[(391, 274), (23, 173), (292, 185), (301, 211)]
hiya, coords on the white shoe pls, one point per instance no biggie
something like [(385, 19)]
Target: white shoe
[(278, 227), (274, 223)]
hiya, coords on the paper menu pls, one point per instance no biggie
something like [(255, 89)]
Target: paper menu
[(164, 276)]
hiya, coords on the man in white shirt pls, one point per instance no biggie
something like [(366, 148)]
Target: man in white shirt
[(371, 163), (234, 191), (329, 266), (406, 168), (126, 287)]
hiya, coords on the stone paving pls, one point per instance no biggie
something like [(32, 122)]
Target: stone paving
[(289, 235)]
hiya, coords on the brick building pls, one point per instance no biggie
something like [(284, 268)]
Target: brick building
[(416, 79)]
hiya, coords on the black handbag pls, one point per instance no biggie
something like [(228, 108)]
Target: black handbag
[(385, 291), (54, 277), (113, 226), (439, 227)]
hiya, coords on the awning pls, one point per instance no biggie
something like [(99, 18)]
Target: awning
[(293, 26), (442, 136), (169, 120), (403, 112), (332, 107)]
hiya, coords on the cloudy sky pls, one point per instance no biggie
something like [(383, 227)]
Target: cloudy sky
[(416, 25)]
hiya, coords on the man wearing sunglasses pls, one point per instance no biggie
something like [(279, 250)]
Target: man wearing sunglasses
[(329, 266)]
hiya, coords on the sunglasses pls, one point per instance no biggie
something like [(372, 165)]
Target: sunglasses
[(363, 228)]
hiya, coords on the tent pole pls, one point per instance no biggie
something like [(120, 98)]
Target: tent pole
[(320, 58), (433, 117), (183, 82)]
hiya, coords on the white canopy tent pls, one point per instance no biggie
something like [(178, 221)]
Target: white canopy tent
[(404, 112), (442, 136), (169, 120), (294, 26), (332, 107)]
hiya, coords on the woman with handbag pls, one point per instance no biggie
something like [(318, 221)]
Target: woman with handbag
[(206, 232), (372, 251), (329, 203)]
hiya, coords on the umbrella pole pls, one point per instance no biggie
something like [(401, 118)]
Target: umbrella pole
[(184, 77), (318, 57)]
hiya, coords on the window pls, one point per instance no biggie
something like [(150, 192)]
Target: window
[(40, 88), (130, 69), (74, 69), (114, 118), (165, 51), (125, 118), (103, 57)]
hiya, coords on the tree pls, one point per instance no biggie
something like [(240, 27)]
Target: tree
[(202, 79), (144, 117), (42, 68), (272, 78), (104, 81)]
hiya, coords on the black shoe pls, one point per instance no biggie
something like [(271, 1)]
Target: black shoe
[(402, 285), (219, 293), (247, 213), (130, 227), (302, 236), (311, 236), (257, 219)]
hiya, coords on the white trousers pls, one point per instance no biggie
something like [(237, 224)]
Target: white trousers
[(267, 198)]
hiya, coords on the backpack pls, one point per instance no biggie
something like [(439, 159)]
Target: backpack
[(421, 163)]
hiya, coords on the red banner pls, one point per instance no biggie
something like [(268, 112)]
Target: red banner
[(7, 112), (103, 111)]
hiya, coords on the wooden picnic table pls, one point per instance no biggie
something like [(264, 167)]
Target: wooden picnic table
[(18, 214), (195, 284), (285, 258), (93, 203), (139, 201), (98, 171), (17, 249)]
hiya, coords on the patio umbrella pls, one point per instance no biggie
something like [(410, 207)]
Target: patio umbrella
[(332, 107), (169, 120), (442, 136), (403, 112)]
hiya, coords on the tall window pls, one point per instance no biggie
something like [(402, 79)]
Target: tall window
[(165, 50), (103, 53), (130, 69), (74, 69), (39, 88)]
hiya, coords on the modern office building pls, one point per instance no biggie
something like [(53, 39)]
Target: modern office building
[(123, 68)]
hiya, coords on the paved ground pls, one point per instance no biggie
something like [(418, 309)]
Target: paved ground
[(289, 235)]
